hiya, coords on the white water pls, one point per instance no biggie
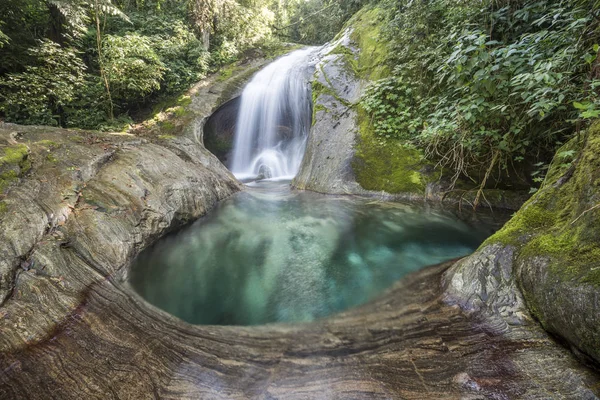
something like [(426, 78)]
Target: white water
[(274, 120)]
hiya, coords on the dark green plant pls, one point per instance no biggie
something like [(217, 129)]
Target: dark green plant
[(484, 85), (132, 67), (41, 94)]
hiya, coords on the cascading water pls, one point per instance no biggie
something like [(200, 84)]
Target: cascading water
[(274, 120)]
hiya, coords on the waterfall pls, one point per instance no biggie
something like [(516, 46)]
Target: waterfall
[(274, 120)]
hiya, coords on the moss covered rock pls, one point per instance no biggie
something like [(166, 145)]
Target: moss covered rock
[(559, 264), (388, 166), (344, 155), (14, 162), (555, 239)]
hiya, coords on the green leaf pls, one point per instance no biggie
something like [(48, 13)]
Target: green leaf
[(566, 154), (591, 114)]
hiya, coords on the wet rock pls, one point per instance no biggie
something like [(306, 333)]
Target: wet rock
[(546, 258), (219, 130), (326, 166), (264, 172)]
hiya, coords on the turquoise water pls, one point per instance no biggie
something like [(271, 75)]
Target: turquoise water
[(270, 254)]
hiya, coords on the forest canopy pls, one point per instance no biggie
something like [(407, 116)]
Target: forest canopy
[(94, 63)]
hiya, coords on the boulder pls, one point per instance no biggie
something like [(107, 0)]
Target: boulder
[(550, 250)]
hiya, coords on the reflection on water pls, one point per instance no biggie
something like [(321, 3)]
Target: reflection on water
[(270, 254)]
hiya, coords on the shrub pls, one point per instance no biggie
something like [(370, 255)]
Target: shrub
[(40, 94), (133, 68)]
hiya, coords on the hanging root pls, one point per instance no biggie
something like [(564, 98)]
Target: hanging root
[(485, 178)]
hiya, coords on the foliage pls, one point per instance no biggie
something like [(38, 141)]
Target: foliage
[(238, 27), (133, 68), (108, 59), (77, 13), (40, 94), (3, 38), (183, 56), (317, 21), (484, 85)]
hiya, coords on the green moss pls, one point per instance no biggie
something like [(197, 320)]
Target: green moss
[(371, 62), (235, 82), (14, 160), (166, 137), (560, 222), (561, 165), (178, 111), (14, 154), (227, 72), (51, 158), (7, 178), (25, 165), (184, 101), (530, 219), (3, 207), (318, 89), (391, 166), (167, 126), (349, 58), (48, 143)]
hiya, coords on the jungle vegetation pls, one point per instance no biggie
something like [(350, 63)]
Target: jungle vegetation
[(488, 87), (95, 64), (483, 87)]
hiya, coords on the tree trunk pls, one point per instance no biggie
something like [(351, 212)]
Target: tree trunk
[(111, 113)]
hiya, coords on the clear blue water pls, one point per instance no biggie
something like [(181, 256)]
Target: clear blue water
[(271, 254)]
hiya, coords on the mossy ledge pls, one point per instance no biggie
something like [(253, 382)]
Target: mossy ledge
[(557, 237)]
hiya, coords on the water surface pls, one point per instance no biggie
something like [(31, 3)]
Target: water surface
[(271, 254)]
